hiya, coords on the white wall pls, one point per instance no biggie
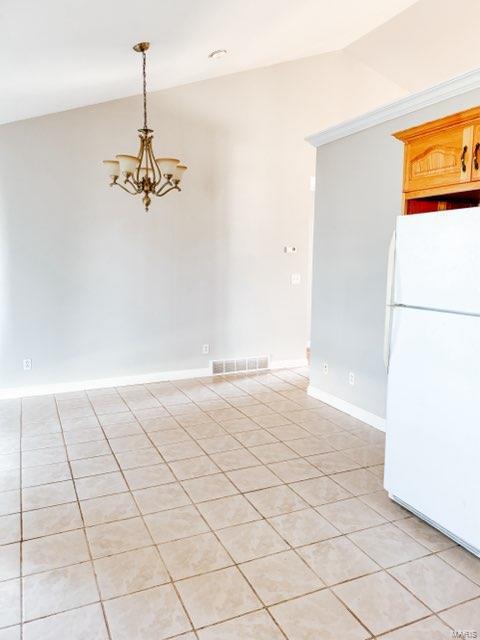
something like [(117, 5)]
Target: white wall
[(91, 287), (359, 187)]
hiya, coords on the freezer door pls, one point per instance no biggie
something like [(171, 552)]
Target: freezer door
[(433, 418), (437, 261)]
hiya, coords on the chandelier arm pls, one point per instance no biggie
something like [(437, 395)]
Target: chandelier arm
[(148, 159), (140, 156), (164, 186), (133, 183), (161, 193), (117, 184), (157, 174)]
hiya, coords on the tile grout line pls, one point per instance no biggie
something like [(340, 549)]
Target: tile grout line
[(235, 564), (289, 548), (224, 472), (382, 569), (92, 564), (21, 523), (212, 531), (146, 528), (332, 592), (265, 518)]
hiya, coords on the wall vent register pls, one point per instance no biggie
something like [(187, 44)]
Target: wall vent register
[(254, 363)]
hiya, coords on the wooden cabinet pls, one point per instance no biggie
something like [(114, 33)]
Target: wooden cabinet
[(442, 163), (439, 159), (476, 153)]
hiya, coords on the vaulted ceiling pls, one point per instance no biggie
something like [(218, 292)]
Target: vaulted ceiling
[(431, 41), (60, 54)]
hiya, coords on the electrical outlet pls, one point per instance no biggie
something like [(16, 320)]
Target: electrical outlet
[(27, 364), (351, 378), (206, 349), (325, 368), (295, 278)]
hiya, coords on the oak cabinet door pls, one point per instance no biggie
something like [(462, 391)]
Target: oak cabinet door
[(439, 159), (476, 153)]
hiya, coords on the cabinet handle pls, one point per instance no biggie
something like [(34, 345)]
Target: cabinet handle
[(475, 156), (462, 159)]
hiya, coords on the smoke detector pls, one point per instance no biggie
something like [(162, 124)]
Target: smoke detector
[(218, 53)]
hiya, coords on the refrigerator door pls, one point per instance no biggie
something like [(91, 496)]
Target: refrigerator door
[(389, 302), (433, 419), (437, 261)]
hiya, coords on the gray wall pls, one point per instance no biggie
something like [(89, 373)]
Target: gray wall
[(91, 287), (359, 185)]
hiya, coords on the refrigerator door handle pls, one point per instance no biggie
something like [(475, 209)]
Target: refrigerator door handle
[(389, 302)]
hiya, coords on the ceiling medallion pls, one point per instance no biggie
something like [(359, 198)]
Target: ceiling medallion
[(144, 173)]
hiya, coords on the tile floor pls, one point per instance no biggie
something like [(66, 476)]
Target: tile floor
[(231, 508)]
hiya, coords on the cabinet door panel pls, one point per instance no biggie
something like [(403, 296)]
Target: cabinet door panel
[(439, 159), (476, 153)]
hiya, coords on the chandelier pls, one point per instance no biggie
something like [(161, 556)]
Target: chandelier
[(143, 173)]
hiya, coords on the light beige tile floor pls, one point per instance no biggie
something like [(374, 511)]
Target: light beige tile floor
[(234, 508)]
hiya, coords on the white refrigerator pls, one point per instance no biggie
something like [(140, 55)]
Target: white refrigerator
[(432, 353)]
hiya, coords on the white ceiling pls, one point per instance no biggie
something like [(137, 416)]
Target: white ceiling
[(60, 54), (428, 43)]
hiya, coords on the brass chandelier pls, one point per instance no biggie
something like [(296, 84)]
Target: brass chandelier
[(143, 173)]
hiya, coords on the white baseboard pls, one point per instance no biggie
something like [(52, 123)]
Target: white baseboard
[(289, 364), (122, 381), (352, 410), (100, 383)]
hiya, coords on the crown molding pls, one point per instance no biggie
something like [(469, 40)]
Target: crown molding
[(448, 89)]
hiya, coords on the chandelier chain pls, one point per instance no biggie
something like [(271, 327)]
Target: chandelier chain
[(144, 65)]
